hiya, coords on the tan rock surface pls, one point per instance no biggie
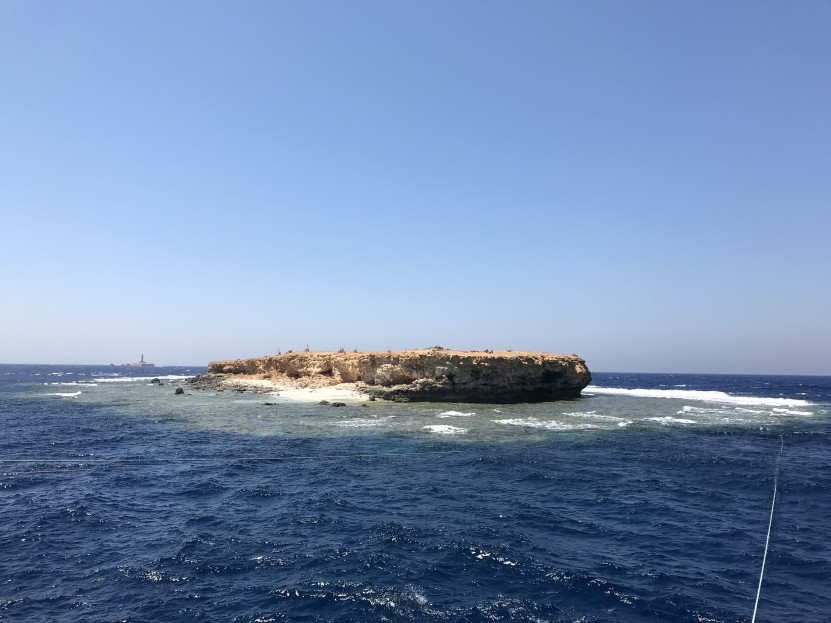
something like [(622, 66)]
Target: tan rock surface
[(434, 374)]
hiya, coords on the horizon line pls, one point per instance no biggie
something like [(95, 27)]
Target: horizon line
[(123, 365)]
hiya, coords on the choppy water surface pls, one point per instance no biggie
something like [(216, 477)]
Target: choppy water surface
[(646, 500)]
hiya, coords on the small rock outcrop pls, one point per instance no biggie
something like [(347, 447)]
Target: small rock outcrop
[(436, 374)]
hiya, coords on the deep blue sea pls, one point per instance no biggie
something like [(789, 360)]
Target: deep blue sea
[(648, 499)]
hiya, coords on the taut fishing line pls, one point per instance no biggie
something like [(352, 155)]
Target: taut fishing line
[(770, 525)]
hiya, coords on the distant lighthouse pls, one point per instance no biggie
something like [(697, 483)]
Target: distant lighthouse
[(142, 363)]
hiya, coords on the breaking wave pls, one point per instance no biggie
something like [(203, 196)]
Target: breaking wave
[(456, 414), (445, 429), (531, 422), (705, 396), (145, 379)]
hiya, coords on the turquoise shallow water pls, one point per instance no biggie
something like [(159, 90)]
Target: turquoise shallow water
[(647, 499)]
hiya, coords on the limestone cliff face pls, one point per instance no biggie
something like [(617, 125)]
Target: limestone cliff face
[(434, 374)]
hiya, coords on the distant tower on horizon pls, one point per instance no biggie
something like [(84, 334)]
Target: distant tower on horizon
[(141, 363)]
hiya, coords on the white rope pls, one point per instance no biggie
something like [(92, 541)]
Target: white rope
[(770, 525)]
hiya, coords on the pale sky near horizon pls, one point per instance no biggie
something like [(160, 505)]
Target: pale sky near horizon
[(646, 184)]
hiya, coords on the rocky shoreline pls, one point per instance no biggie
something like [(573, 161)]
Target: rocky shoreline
[(429, 375), (222, 383)]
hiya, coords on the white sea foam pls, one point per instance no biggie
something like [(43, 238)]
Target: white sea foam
[(705, 410), (594, 416), (792, 412), (706, 396), (456, 414), (137, 379), (77, 384), (531, 422), (726, 413), (65, 394), (668, 420), (483, 554), (445, 429), (362, 422)]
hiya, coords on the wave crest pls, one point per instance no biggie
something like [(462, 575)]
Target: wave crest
[(705, 396)]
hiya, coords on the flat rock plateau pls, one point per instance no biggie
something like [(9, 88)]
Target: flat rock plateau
[(428, 375)]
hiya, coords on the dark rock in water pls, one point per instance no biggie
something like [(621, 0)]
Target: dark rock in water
[(156, 381), (269, 404), (338, 404), (219, 383), (179, 390), (323, 402)]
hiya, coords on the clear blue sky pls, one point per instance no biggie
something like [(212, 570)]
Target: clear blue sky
[(646, 184)]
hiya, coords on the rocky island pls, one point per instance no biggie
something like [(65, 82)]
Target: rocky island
[(434, 375)]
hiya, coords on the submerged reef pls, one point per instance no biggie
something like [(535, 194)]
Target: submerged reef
[(434, 375)]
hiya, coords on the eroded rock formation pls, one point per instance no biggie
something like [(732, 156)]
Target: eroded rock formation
[(434, 374)]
